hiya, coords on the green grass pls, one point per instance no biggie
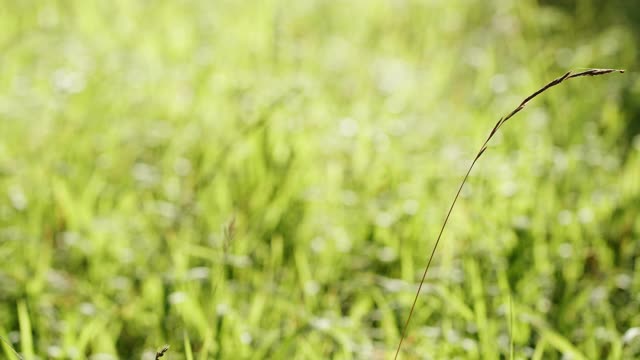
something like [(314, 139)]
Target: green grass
[(247, 180)]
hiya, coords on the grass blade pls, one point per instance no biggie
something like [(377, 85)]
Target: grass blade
[(187, 347), (26, 339), (8, 349)]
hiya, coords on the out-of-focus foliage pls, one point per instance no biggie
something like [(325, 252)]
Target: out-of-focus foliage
[(265, 179)]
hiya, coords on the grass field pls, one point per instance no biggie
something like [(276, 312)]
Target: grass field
[(249, 180)]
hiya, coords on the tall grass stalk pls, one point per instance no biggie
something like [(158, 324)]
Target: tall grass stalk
[(483, 148), (161, 352)]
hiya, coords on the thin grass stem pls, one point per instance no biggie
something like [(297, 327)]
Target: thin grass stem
[(483, 148)]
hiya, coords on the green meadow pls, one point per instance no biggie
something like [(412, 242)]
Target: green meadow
[(266, 179)]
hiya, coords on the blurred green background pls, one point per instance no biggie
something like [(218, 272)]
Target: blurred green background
[(266, 179)]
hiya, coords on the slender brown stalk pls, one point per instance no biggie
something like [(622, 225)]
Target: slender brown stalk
[(160, 353), (483, 148)]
